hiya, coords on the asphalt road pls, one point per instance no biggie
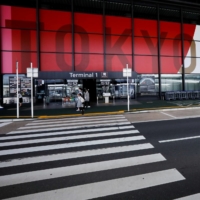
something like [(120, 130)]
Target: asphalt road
[(144, 156), (179, 142)]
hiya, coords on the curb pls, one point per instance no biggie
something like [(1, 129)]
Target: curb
[(132, 111), (15, 120), (80, 115), (174, 108)]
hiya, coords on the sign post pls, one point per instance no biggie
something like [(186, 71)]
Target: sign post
[(32, 72), (17, 89), (127, 73)]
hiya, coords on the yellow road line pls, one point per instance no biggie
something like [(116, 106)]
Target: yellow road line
[(78, 115)]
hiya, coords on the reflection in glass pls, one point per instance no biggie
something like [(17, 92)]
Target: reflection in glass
[(171, 82), (192, 81), (116, 87)]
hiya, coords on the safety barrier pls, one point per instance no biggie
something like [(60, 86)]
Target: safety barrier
[(189, 94), (169, 96), (177, 95), (196, 94), (182, 95)]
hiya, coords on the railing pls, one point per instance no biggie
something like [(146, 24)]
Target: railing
[(181, 95)]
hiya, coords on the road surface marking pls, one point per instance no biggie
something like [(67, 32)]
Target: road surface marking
[(63, 120), (168, 115), (69, 145), (69, 127), (106, 188), (78, 169), (71, 124), (79, 154), (179, 139), (55, 138), (5, 124), (10, 135)]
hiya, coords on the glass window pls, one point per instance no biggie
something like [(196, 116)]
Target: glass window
[(170, 30), (147, 84), (55, 20), (170, 65), (88, 43), (145, 27), (192, 82), (169, 14), (118, 25), (10, 88), (171, 82), (191, 48), (88, 23), (57, 90), (170, 47), (145, 46), (146, 64), (191, 16), (118, 8), (192, 65), (116, 87), (58, 5), (145, 11), (89, 6), (59, 42)]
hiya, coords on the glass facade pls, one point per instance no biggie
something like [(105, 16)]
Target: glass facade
[(160, 43)]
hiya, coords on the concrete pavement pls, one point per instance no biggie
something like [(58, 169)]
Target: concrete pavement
[(133, 117), (142, 110)]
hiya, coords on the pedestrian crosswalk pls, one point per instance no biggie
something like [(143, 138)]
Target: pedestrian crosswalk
[(4, 124), (78, 159)]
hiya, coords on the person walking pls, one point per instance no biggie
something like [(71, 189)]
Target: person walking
[(80, 91), (20, 99), (80, 104), (87, 98)]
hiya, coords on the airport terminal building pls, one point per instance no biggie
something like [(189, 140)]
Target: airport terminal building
[(87, 44)]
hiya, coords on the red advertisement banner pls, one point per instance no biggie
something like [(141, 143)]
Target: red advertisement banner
[(19, 42)]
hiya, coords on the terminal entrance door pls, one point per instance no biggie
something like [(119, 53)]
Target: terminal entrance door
[(91, 85)]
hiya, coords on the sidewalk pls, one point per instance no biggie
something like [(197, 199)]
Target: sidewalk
[(57, 109)]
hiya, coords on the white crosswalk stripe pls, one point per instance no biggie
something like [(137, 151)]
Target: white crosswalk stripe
[(69, 145), (64, 132), (68, 138), (116, 186), (77, 123), (78, 169), (34, 154), (77, 154), (65, 126), (5, 124), (63, 120)]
